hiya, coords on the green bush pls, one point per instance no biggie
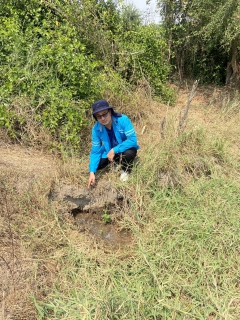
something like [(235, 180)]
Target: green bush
[(47, 64), (144, 57), (48, 60)]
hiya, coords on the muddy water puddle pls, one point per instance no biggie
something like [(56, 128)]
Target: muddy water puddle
[(94, 223)]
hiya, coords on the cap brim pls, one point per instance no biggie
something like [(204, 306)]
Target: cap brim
[(102, 109)]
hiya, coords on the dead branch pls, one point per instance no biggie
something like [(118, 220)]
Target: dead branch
[(162, 127), (182, 119), (128, 53)]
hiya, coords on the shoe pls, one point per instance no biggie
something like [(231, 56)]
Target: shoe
[(124, 175), (115, 167)]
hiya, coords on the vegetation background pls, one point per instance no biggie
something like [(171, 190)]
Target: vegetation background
[(183, 197)]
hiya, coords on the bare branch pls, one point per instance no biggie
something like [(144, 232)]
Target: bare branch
[(128, 53), (162, 127), (191, 96)]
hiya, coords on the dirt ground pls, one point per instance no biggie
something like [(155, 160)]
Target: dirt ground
[(25, 167), (27, 160)]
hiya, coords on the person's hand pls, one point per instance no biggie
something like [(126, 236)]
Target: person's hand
[(111, 155), (91, 180)]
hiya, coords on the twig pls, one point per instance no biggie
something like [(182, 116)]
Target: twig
[(13, 259), (3, 306), (162, 127), (143, 130), (128, 53), (191, 96)]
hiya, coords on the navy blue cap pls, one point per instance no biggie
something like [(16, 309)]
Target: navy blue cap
[(100, 106)]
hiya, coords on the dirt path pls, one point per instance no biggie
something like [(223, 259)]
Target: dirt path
[(26, 160)]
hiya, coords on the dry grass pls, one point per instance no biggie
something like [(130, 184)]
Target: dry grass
[(181, 204)]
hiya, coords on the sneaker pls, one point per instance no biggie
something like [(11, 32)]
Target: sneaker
[(124, 175), (115, 167)]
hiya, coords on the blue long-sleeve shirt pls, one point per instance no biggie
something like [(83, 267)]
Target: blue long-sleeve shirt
[(124, 133)]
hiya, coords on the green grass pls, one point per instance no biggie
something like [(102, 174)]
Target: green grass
[(185, 264)]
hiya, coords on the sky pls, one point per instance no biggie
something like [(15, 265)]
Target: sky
[(141, 5)]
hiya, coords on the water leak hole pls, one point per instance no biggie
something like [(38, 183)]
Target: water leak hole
[(100, 225)]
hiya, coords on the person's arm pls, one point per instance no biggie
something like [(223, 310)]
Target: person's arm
[(130, 133), (91, 180), (95, 156), (111, 155)]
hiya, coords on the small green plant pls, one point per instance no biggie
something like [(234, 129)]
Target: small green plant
[(106, 217)]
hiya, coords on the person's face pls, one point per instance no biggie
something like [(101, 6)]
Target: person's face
[(104, 117)]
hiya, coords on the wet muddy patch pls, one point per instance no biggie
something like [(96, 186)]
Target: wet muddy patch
[(97, 211), (100, 224)]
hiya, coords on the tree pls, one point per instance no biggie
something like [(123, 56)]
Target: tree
[(225, 28), (58, 56), (204, 29)]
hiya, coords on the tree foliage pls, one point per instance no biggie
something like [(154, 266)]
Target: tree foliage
[(140, 57), (203, 36), (44, 61), (61, 55)]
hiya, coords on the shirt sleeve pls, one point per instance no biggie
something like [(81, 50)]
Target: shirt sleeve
[(130, 134), (95, 154)]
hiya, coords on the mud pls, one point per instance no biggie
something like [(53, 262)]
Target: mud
[(95, 223), (93, 211), (82, 198)]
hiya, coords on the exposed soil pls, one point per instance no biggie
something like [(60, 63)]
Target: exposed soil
[(95, 211), (102, 227), (30, 161)]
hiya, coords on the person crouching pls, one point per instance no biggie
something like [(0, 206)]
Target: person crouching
[(113, 140)]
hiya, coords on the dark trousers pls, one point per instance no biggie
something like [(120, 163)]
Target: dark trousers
[(125, 159)]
